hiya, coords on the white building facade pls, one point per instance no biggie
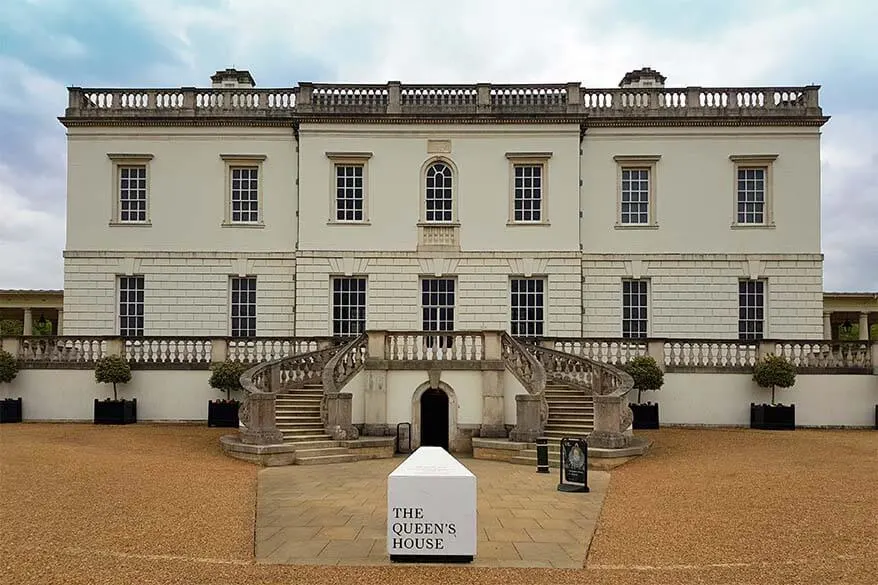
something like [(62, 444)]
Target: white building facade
[(541, 210)]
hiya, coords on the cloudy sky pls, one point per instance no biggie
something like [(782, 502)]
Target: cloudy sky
[(46, 45)]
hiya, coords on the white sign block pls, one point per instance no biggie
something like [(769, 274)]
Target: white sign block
[(431, 507)]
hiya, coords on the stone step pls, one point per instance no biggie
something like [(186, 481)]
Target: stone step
[(321, 452), (313, 385), (303, 410), (311, 395), (304, 417), (294, 402), (532, 461), (327, 444), (581, 433), (300, 426), (325, 459), (565, 398), (298, 437), (570, 421)]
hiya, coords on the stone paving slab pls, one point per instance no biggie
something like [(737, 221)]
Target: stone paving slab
[(337, 515)]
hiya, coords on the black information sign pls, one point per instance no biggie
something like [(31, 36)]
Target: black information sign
[(574, 465)]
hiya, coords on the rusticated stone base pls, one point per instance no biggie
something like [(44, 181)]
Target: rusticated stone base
[(607, 440), (371, 447), (272, 437), (266, 455), (377, 430), (493, 431)]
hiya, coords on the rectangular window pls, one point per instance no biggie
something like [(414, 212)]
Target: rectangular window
[(634, 308), (245, 194), (635, 196), (751, 195), (751, 309), (437, 305), (131, 305), (528, 193), (348, 192), (348, 306), (132, 193), (527, 302), (243, 306)]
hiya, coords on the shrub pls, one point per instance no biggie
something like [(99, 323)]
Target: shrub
[(11, 328), (8, 367), (113, 370), (774, 371), (646, 373), (227, 376)]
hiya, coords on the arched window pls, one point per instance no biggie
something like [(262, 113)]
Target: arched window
[(439, 199)]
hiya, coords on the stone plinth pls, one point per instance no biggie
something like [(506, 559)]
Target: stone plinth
[(431, 509)]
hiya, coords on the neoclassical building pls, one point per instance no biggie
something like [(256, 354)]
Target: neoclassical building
[(542, 210)]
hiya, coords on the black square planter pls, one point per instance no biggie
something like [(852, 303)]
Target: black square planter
[(115, 412), (222, 414), (773, 417), (646, 416), (10, 410)]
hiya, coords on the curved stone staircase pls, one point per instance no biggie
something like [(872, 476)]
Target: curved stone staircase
[(298, 419), (571, 414)]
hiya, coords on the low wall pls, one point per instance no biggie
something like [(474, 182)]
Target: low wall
[(68, 395), (724, 399)]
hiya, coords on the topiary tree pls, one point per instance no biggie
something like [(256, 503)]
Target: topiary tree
[(8, 367), (112, 369), (774, 371), (646, 373), (226, 376)]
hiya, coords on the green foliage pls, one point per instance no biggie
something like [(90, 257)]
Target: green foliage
[(42, 328), (646, 373), (227, 376), (774, 371), (11, 328), (113, 370), (8, 367)]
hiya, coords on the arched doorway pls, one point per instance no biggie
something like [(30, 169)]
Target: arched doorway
[(434, 418)]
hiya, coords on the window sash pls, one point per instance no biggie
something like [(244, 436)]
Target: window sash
[(751, 309), (527, 304), (244, 194), (132, 193), (348, 306), (635, 308), (131, 306), (437, 309), (751, 195), (243, 307), (635, 196), (349, 192), (439, 194), (528, 193)]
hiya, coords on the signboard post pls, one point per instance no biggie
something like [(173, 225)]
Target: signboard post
[(574, 465), (431, 509)]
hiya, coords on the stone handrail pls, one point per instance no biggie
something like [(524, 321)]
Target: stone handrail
[(530, 372), (593, 105), (62, 350), (608, 385), (826, 355), (335, 407), (155, 350), (262, 349), (710, 353), (608, 350)]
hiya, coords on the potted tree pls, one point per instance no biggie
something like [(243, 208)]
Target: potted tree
[(10, 408), (114, 370), (226, 377), (773, 371), (647, 376)]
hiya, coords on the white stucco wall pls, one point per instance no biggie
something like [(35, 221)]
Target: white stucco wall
[(697, 295), (187, 188), (395, 185), (724, 399), (467, 386), (184, 293), (162, 395), (393, 293), (695, 186)]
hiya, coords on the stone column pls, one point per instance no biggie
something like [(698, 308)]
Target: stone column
[(608, 432), (827, 326), (338, 416), (493, 405), (219, 348), (260, 420), (60, 330), (864, 326), (28, 322), (655, 348), (875, 358), (375, 399), (527, 419)]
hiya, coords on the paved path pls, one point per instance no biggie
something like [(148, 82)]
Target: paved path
[(337, 515)]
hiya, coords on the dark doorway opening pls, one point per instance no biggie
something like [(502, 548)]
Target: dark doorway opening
[(434, 419)]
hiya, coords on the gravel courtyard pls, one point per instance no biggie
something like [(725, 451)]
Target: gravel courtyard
[(160, 504)]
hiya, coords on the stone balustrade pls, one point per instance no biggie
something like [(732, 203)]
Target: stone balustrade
[(594, 106), (434, 346)]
